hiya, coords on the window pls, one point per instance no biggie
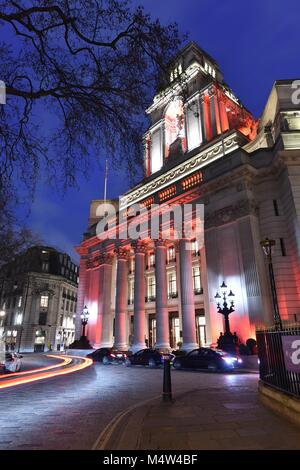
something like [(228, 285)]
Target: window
[(177, 70), (196, 280), (151, 288), (151, 260), (43, 318), (275, 205), (45, 266), (131, 291), (195, 250), (18, 319), (282, 247), (208, 68), (44, 301), (172, 287), (156, 151), (171, 254), (174, 124), (194, 353)]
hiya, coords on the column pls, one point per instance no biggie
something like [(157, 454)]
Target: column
[(187, 297), (81, 294), (139, 298), (162, 314), (107, 321), (207, 118), (121, 301), (96, 283)]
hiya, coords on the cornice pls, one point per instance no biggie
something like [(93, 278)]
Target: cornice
[(212, 153)]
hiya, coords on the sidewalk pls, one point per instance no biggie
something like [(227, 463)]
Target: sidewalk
[(211, 418)]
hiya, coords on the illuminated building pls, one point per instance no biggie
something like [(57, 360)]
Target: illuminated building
[(202, 145), (38, 295)]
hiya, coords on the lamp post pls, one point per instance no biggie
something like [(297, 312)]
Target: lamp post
[(267, 246), (224, 309), (84, 319), (167, 385)]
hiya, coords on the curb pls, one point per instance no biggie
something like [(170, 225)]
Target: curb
[(109, 429)]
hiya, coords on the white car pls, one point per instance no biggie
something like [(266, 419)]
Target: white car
[(11, 363)]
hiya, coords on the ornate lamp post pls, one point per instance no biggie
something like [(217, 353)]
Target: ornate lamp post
[(84, 319), (267, 246), (224, 309)]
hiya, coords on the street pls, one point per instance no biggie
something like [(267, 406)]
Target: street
[(69, 412)]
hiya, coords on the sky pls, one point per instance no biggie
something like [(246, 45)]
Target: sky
[(255, 43)]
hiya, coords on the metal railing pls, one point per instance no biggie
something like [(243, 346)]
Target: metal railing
[(273, 358)]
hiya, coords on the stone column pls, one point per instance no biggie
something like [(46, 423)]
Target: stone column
[(187, 297), (81, 294), (107, 321), (162, 315), (121, 301), (139, 298)]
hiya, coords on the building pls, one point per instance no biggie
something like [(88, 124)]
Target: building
[(38, 300), (202, 146)]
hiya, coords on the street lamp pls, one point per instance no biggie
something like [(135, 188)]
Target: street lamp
[(267, 246), (224, 309), (84, 319)]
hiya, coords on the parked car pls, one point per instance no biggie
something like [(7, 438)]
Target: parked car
[(207, 358), (146, 357), (11, 363), (108, 356)]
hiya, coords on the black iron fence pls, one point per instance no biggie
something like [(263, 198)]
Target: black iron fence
[(276, 367)]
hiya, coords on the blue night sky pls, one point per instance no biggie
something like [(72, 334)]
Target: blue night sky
[(254, 42)]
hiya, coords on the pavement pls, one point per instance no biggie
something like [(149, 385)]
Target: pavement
[(202, 419), (70, 412)]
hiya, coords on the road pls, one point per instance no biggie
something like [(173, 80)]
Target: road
[(69, 412)]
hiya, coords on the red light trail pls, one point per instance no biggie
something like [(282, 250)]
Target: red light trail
[(40, 374), (64, 361)]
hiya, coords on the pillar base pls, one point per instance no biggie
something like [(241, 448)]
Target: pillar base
[(121, 346), (163, 347), (105, 344), (137, 347), (189, 346)]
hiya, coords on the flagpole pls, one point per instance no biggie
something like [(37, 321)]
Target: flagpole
[(105, 179)]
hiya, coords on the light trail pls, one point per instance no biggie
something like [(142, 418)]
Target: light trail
[(64, 361), (86, 362)]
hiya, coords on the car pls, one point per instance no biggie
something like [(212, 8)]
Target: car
[(207, 358), (11, 363), (147, 357), (108, 356)]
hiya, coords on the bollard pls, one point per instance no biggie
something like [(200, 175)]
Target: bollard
[(167, 387)]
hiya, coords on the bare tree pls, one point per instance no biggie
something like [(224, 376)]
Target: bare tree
[(14, 237), (78, 77)]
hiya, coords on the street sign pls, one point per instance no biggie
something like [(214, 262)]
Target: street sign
[(291, 352)]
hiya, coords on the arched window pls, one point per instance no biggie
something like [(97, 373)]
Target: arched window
[(174, 124)]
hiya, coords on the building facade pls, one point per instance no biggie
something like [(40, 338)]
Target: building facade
[(203, 147), (38, 300)]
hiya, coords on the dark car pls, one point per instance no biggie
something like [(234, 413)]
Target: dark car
[(146, 357), (108, 356), (207, 358)]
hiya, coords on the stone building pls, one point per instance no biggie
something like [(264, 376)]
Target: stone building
[(38, 300), (202, 146)]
